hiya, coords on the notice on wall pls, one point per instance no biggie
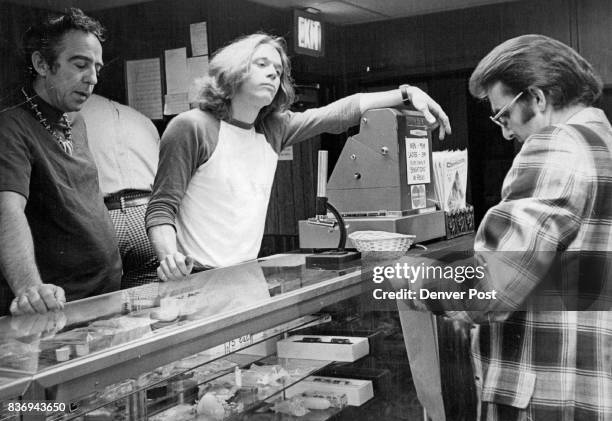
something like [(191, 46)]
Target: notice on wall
[(199, 39), (143, 79), (197, 69), (417, 160), (175, 103), (176, 70)]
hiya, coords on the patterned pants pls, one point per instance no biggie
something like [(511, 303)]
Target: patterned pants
[(139, 260)]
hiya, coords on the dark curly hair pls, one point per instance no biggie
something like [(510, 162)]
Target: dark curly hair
[(46, 36), (229, 67), (564, 76)]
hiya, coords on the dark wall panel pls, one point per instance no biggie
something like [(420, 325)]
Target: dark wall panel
[(595, 35), (146, 30), (14, 20), (458, 39), (385, 48), (553, 18)]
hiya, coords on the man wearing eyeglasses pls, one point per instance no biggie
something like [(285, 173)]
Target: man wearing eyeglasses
[(556, 200), (542, 343)]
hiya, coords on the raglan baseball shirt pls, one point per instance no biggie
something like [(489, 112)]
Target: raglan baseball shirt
[(214, 178)]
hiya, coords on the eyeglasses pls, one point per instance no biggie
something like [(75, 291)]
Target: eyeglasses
[(497, 118)]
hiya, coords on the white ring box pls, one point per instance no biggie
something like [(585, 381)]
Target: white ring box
[(357, 391), (315, 347), (62, 354)]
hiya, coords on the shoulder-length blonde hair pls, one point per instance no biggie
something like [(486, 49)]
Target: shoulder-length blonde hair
[(229, 67)]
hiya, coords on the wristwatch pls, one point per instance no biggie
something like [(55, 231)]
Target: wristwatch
[(405, 97)]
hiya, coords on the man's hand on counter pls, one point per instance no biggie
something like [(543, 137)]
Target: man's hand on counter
[(45, 325), (175, 267), (38, 299)]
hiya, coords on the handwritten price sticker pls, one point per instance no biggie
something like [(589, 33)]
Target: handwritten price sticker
[(238, 343)]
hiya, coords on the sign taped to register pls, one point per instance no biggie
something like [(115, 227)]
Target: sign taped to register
[(417, 160)]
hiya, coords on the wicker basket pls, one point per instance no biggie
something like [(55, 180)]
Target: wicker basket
[(381, 241)]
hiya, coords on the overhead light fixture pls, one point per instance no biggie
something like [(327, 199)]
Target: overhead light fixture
[(312, 10)]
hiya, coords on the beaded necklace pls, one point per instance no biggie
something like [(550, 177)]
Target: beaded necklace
[(64, 142)]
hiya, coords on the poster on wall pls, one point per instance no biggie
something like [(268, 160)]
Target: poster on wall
[(144, 90), (199, 39), (177, 81)]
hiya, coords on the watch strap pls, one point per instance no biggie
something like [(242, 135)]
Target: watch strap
[(405, 96)]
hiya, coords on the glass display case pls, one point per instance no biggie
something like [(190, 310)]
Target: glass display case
[(135, 352), (206, 349)]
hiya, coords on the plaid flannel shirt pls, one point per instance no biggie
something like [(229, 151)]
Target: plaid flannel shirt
[(545, 365), (550, 365)]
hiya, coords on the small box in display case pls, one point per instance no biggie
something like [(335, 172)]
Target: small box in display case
[(332, 348), (357, 391)]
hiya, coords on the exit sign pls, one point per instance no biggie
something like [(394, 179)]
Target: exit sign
[(308, 34)]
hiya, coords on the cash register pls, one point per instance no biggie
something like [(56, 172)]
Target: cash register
[(383, 181)]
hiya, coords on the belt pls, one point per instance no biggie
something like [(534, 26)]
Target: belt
[(126, 200)]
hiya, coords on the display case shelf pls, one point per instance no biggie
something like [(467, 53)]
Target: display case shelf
[(221, 305), (250, 395)]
